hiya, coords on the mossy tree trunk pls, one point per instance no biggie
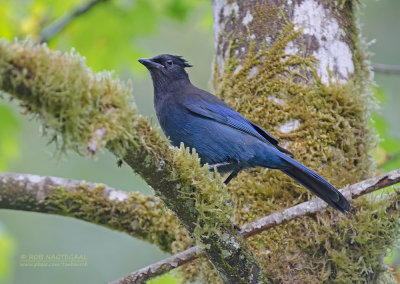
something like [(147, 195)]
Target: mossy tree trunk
[(298, 69)]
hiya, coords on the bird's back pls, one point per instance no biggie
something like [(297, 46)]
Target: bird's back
[(215, 142)]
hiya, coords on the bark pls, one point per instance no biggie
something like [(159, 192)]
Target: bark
[(327, 31)]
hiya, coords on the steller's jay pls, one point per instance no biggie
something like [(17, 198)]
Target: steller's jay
[(222, 137)]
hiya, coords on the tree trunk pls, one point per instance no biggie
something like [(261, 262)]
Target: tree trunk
[(298, 69)]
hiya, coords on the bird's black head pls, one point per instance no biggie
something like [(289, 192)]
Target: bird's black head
[(166, 68)]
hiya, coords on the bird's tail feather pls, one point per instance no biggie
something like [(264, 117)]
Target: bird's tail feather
[(316, 184)]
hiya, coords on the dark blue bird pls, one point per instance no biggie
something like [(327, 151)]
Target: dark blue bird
[(222, 137)]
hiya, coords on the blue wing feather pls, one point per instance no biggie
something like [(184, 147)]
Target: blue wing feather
[(230, 118), (204, 104)]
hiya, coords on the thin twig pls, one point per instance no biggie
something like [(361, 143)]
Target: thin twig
[(161, 267), (60, 23), (256, 227), (383, 68)]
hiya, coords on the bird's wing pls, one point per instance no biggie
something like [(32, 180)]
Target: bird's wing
[(231, 118)]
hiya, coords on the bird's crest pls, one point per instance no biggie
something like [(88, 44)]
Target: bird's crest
[(182, 61), (176, 58)]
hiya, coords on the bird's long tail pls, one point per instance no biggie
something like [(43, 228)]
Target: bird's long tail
[(316, 184)]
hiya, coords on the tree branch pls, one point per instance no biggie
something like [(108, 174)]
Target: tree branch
[(60, 23), (143, 217), (161, 267), (316, 205), (265, 223), (73, 102), (384, 68)]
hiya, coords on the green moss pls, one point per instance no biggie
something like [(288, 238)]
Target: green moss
[(210, 199), (211, 203), (336, 249), (143, 217)]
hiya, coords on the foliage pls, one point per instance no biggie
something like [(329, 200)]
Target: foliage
[(107, 35), (388, 153), (7, 250)]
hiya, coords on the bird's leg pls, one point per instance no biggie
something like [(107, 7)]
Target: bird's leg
[(232, 175), (215, 166), (228, 179)]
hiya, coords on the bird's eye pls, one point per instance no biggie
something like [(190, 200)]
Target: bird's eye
[(169, 62)]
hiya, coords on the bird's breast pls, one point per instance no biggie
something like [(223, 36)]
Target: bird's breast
[(173, 120)]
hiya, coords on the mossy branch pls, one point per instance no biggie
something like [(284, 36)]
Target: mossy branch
[(143, 217), (308, 208), (87, 112)]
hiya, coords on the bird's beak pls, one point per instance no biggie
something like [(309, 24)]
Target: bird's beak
[(150, 64)]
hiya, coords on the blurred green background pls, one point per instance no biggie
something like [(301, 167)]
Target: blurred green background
[(112, 35)]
